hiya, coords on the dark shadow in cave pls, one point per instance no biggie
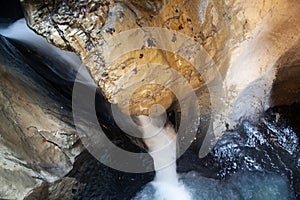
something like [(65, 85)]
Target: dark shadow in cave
[(286, 86), (96, 181), (10, 10)]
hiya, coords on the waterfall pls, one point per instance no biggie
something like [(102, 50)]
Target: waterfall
[(64, 64), (161, 143), (57, 66), (259, 161), (21, 32)]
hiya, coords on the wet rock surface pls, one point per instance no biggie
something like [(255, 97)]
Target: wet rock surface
[(272, 145), (263, 156), (245, 40), (92, 180), (38, 141), (80, 27)]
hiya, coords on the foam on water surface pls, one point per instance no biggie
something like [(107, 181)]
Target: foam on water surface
[(161, 143), (245, 185)]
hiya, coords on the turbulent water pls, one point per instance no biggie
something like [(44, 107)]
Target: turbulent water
[(251, 162), (57, 66), (259, 161), (161, 143), (245, 185)]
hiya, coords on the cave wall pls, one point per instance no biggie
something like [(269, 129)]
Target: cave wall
[(254, 63), (38, 142), (285, 89), (243, 38), (254, 46)]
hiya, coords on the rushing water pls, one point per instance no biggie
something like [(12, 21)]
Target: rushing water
[(245, 185), (251, 162), (254, 161), (161, 143)]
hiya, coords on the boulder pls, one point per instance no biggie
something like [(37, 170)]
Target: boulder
[(38, 141), (138, 51)]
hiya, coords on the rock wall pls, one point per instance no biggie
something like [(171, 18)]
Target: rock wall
[(255, 62), (38, 143), (254, 47), (244, 39), (79, 27), (285, 90)]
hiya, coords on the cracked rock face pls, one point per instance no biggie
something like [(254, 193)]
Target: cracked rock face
[(244, 39), (38, 143), (252, 43), (85, 26)]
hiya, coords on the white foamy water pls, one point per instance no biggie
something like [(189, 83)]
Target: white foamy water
[(243, 185), (169, 191), (168, 185), (161, 143), (19, 31)]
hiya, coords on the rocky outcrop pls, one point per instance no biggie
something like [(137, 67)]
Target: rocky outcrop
[(255, 62), (38, 141), (95, 23), (243, 39), (250, 52)]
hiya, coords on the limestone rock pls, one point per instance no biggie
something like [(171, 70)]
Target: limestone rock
[(244, 39), (86, 35), (60, 189), (38, 142), (255, 62)]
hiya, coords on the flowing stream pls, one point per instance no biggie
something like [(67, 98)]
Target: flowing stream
[(254, 161), (161, 143), (245, 154)]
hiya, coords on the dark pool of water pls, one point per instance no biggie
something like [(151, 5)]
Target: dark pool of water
[(251, 162), (241, 185)]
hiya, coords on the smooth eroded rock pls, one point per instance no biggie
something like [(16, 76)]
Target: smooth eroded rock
[(243, 41), (38, 141)]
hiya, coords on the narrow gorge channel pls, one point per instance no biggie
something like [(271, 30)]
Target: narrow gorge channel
[(111, 103)]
